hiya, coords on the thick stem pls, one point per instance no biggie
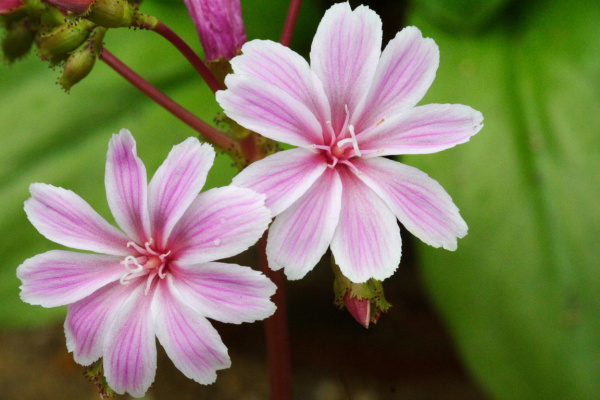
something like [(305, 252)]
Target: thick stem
[(210, 133), (276, 333), (190, 54), (290, 22)]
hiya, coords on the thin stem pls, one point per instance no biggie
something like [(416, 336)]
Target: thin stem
[(190, 54), (212, 134), (276, 333), (290, 22)]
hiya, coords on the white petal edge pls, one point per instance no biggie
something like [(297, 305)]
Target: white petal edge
[(220, 223), (226, 292), (299, 236), (344, 55), (58, 277), (176, 184), (189, 339), (283, 177), (127, 187), (65, 218), (367, 242), (420, 203)]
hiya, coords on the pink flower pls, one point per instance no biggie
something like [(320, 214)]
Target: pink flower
[(353, 105), (157, 276), (220, 26)]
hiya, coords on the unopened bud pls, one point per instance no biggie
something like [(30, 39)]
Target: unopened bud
[(108, 13), (56, 45), (76, 6), (220, 27), (18, 40), (364, 301), (81, 62)]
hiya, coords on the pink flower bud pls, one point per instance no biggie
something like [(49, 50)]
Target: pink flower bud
[(7, 6), (76, 6), (360, 309), (220, 27)]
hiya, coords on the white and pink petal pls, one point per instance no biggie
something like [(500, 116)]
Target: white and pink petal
[(344, 55), (86, 325), (405, 72), (127, 187), (190, 341), (301, 234), (65, 218), (366, 243), (283, 177), (420, 130), (176, 184), (279, 66), (270, 111), (420, 203), (220, 223), (58, 277), (129, 346), (225, 292)]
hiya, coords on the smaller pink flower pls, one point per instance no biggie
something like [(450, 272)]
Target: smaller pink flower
[(7, 6), (220, 27), (157, 277)]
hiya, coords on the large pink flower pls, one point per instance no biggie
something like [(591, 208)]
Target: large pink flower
[(350, 107), (157, 276)]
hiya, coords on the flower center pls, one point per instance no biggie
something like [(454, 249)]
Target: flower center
[(343, 146), (148, 262)]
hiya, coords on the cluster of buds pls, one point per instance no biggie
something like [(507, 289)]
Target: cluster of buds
[(67, 33)]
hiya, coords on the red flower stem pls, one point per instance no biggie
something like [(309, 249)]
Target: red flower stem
[(210, 133), (191, 56), (290, 22), (276, 333)]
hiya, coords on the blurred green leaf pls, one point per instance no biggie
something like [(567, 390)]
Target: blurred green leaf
[(521, 294), (51, 137)]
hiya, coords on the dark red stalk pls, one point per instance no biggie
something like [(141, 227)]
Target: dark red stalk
[(210, 133), (276, 333), (290, 22), (190, 54)]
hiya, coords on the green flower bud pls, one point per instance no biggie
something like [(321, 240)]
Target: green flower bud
[(56, 45), (18, 40), (81, 62)]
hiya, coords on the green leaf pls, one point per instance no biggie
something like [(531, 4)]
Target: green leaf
[(520, 294), (51, 137)]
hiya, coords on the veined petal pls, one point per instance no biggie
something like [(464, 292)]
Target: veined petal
[(127, 187), (301, 234), (65, 218), (344, 55), (425, 129), (283, 177), (129, 347), (285, 69), (220, 223), (405, 72), (420, 203), (59, 277), (226, 292), (366, 243), (176, 184), (87, 321), (189, 339), (269, 110)]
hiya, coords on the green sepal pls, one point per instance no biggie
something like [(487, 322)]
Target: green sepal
[(56, 45), (95, 374), (371, 290)]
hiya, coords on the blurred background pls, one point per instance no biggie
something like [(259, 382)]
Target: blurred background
[(514, 313)]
